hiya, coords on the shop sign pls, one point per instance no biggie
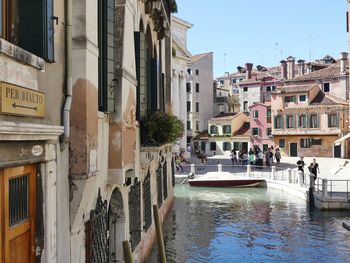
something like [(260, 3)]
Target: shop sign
[(15, 100)]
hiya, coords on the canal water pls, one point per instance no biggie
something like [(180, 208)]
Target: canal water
[(250, 225)]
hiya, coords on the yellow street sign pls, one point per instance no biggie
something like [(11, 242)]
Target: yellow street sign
[(16, 100)]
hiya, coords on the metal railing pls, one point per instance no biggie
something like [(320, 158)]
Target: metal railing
[(253, 171), (332, 188)]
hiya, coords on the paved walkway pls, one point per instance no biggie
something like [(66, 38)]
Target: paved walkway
[(330, 168)]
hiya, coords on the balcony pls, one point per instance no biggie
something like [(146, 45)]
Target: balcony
[(220, 99), (307, 131)]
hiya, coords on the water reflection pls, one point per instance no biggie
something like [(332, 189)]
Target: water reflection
[(251, 225)]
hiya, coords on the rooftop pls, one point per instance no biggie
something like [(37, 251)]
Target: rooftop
[(200, 56), (325, 99)]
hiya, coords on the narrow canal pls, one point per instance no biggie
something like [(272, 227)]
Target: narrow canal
[(250, 225)]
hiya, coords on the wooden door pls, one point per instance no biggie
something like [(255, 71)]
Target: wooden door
[(293, 152), (18, 207)]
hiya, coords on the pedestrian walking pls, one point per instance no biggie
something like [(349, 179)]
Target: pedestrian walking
[(251, 157), (314, 168), (178, 163), (278, 156), (234, 157), (301, 165)]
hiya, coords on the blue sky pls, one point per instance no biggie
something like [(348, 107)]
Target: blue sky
[(264, 31)]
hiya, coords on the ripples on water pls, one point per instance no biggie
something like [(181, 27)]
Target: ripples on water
[(250, 225)]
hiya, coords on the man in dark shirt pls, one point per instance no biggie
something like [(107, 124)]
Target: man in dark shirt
[(314, 168), (301, 165)]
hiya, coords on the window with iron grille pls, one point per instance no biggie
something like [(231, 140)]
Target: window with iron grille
[(147, 202), (18, 200), (165, 180), (135, 215), (97, 233), (159, 186)]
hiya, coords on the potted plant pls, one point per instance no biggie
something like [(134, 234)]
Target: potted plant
[(164, 128)]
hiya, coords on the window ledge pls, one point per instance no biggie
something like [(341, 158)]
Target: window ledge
[(21, 55)]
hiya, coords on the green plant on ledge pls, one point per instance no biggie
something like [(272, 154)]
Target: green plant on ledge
[(164, 128)]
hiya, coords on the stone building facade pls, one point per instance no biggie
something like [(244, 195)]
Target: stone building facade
[(121, 75), (260, 126), (181, 56), (200, 95), (307, 122), (33, 155)]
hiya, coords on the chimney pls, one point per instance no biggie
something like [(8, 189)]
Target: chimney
[(343, 61), (283, 69), (301, 67), (227, 74), (291, 67), (248, 73)]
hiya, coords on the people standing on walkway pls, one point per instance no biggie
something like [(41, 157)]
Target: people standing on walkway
[(260, 158), (245, 158), (314, 168), (271, 154), (183, 159), (178, 162), (301, 165), (278, 156), (267, 157), (251, 157), (234, 157), (189, 148)]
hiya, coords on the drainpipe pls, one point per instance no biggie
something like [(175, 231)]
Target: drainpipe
[(69, 89)]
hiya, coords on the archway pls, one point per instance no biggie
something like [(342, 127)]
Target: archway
[(116, 226)]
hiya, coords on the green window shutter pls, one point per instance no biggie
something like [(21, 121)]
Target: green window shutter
[(275, 122), (141, 93), (49, 31), (337, 120), (329, 119), (154, 85)]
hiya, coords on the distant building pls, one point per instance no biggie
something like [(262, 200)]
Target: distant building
[(227, 132), (307, 122), (260, 126), (199, 87), (181, 56)]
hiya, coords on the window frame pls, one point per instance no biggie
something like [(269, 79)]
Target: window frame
[(302, 96), (282, 143), (197, 106), (304, 117), (290, 121), (188, 106), (245, 89), (211, 147), (329, 87), (313, 117), (305, 143), (245, 105), (255, 131), (197, 87)]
